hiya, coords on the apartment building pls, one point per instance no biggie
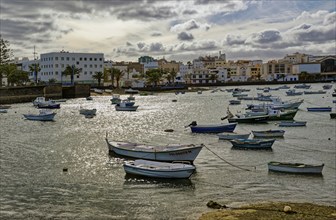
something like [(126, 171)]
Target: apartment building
[(53, 64)]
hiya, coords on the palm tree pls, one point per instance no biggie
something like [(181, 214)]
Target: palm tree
[(154, 76), (7, 70), (18, 77), (117, 73), (173, 75), (98, 76), (35, 68), (114, 73), (71, 71), (107, 72)]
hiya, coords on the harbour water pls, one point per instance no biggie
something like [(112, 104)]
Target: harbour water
[(33, 155)]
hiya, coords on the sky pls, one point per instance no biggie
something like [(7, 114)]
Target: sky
[(180, 30)]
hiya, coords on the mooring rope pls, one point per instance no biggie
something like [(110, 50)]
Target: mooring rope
[(228, 161)]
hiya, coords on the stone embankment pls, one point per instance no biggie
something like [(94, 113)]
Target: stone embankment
[(20, 94)]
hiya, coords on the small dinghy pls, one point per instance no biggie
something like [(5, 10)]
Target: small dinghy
[(159, 169), (213, 128), (298, 168), (252, 143), (44, 115), (268, 133)]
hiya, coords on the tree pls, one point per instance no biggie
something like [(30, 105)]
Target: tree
[(98, 76), (18, 77), (117, 73), (5, 51), (35, 68), (71, 71), (154, 76), (5, 55)]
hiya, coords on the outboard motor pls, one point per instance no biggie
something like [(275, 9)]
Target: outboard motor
[(194, 123)]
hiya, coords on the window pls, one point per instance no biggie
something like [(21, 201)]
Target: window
[(85, 58), (95, 65), (95, 59), (100, 59), (90, 65), (85, 65), (90, 59), (77, 63), (73, 59), (56, 58), (56, 73), (80, 59), (62, 58), (68, 58), (56, 65)]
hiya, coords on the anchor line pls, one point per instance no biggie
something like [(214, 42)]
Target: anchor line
[(228, 161)]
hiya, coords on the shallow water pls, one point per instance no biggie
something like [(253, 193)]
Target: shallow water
[(33, 155)]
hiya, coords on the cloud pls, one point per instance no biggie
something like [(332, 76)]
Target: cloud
[(184, 36), (129, 44), (234, 39), (265, 37), (156, 34), (189, 25), (145, 13)]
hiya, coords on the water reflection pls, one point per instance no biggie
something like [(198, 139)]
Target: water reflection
[(135, 180)]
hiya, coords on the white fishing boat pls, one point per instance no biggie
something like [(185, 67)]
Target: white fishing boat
[(126, 105), (167, 153), (298, 168), (157, 169), (3, 111), (39, 100), (44, 115)]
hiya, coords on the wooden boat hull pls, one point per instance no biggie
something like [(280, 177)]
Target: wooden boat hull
[(49, 117), (232, 136), (159, 169), (156, 153), (256, 119), (49, 106), (213, 128), (296, 168), (292, 124), (127, 108), (268, 134), (283, 116), (252, 144), (319, 109)]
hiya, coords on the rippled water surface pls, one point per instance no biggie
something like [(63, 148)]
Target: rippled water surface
[(33, 155)]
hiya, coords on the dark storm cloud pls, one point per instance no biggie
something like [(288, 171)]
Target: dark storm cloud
[(184, 36), (154, 47)]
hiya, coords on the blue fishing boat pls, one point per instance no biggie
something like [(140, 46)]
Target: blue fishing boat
[(252, 143), (319, 109), (215, 128), (49, 104)]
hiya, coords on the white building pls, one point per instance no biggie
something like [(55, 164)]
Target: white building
[(53, 64), (282, 77)]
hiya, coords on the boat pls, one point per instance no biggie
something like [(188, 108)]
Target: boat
[(292, 92), (166, 153), (99, 91), (86, 111), (284, 87), (158, 169), (231, 136), (126, 105), (268, 133), (115, 99), (302, 86), (239, 94), (333, 115), (249, 119), (327, 86), (314, 92), (277, 103), (319, 109), (131, 91), (3, 111), (214, 128), (252, 143), (44, 115), (89, 98), (5, 106), (49, 104), (297, 168), (131, 97), (235, 102), (199, 92), (59, 100), (273, 114), (292, 123), (39, 100)]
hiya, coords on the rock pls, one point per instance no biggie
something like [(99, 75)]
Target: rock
[(288, 210), (215, 205)]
